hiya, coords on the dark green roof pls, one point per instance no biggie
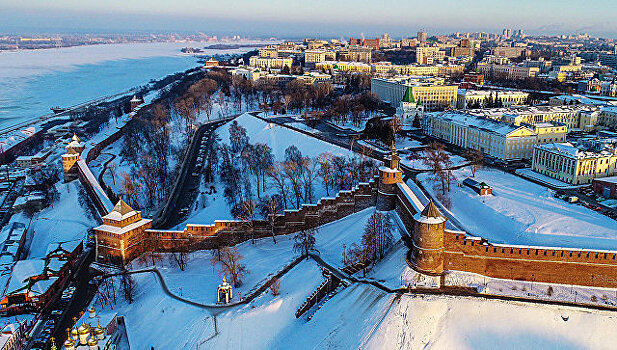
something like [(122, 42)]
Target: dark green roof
[(408, 96)]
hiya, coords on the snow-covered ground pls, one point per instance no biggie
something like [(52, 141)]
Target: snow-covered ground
[(66, 220), (262, 258), (278, 138), (435, 322), (413, 161), (521, 212)]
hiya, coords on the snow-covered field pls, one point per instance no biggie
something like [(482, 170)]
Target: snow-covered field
[(521, 212), (278, 138), (434, 322), (413, 162)]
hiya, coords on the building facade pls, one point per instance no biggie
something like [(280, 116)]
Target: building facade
[(430, 92), (496, 139), (564, 162), (481, 98), (507, 71), (270, 62)]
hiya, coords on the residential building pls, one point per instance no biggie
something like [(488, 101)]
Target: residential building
[(387, 68), (355, 53), (269, 51), (422, 37), (565, 162), (371, 43), (509, 52), (313, 56), (507, 71), (328, 66), (481, 98), (269, 62), (429, 54), (606, 187), (433, 93)]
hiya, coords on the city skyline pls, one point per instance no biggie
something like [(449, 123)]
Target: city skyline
[(299, 19)]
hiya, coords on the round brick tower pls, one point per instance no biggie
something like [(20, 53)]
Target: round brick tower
[(428, 240), (389, 176)]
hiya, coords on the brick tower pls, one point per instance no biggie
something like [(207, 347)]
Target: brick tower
[(121, 237), (389, 176), (73, 151), (428, 240)]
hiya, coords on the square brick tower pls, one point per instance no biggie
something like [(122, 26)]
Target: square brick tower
[(121, 237)]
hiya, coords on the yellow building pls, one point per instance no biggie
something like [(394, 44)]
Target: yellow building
[(429, 54), (430, 92), (357, 67), (567, 163), (573, 116), (387, 68), (549, 132), (495, 139), (318, 55), (269, 51)]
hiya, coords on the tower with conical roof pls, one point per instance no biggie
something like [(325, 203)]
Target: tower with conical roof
[(121, 237), (427, 253)]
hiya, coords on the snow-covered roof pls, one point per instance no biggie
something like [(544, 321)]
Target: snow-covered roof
[(22, 271), (120, 212), (121, 230), (487, 124), (570, 150)]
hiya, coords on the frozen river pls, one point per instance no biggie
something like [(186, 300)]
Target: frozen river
[(32, 81)]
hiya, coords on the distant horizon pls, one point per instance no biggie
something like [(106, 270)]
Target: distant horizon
[(319, 18)]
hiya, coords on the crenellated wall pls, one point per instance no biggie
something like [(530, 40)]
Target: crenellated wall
[(529, 263), (231, 232)]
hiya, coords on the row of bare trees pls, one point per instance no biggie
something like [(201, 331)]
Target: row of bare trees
[(376, 240)]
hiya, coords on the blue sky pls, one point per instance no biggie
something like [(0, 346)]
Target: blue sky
[(314, 17)]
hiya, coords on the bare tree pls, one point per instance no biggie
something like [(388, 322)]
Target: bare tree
[(129, 287), (272, 210), (304, 241), (247, 215), (377, 237), (439, 162), (275, 287), (112, 167), (277, 174), (476, 160), (230, 260), (325, 169)]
